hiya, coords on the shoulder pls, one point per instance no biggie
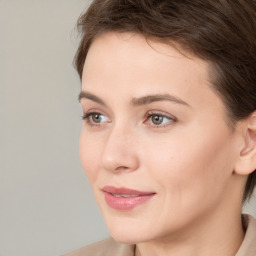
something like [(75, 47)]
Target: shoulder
[(107, 247)]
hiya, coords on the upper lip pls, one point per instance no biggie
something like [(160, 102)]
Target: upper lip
[(125, 191)]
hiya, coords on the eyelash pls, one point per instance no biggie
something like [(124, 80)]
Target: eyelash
[(87, 118), (162, 115)]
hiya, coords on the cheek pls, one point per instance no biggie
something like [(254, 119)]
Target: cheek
[(90, 156), (190, 168)]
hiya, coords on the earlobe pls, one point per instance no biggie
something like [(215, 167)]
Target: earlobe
[(246, 163)]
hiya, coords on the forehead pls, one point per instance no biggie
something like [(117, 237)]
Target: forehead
[(128, 50), (127, 41), (130, 59)]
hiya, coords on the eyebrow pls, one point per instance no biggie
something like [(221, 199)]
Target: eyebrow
[(90, 96), (137, 101), (158, 97)]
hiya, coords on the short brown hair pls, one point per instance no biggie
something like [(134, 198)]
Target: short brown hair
[(222, 32)]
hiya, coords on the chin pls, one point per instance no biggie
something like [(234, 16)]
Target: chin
[(124, 239), (128, 230), (127, 237)]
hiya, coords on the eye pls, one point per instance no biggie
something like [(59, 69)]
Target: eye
[(95, 118), (159, 120)]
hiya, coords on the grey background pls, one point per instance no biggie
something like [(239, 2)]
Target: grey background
[(46, 205)]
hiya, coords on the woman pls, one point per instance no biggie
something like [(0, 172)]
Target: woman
[(168, 140)]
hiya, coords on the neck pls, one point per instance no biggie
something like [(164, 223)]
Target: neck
[(213, 236)]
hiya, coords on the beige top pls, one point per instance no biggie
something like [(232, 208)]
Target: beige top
[(109, 247)]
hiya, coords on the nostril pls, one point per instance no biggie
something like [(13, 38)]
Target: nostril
[(122, 168)]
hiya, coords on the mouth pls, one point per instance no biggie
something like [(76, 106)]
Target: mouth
[(124, 199)]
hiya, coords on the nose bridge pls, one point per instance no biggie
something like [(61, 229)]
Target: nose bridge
[(120, 149)]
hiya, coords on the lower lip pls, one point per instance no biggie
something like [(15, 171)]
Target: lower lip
[(126, 203)]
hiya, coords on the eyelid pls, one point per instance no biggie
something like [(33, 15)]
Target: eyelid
[(95, 111), (162, 114), (89, 113)]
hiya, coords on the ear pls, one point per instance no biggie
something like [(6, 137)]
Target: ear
[(246, 162)]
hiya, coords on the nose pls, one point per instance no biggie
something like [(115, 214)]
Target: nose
[(120, 153)]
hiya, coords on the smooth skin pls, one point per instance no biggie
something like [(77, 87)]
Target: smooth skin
[(152, 122)]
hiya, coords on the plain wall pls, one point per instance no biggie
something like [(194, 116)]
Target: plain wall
[(46, 204)]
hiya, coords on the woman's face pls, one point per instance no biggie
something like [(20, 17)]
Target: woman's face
[(155, 143)]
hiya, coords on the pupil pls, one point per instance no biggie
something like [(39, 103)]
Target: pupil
[(157, 119), (96, 118)]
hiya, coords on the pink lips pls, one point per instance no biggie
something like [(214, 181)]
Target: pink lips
[(124, 199)]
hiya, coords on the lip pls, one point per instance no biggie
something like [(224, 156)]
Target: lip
[(124, 199)]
